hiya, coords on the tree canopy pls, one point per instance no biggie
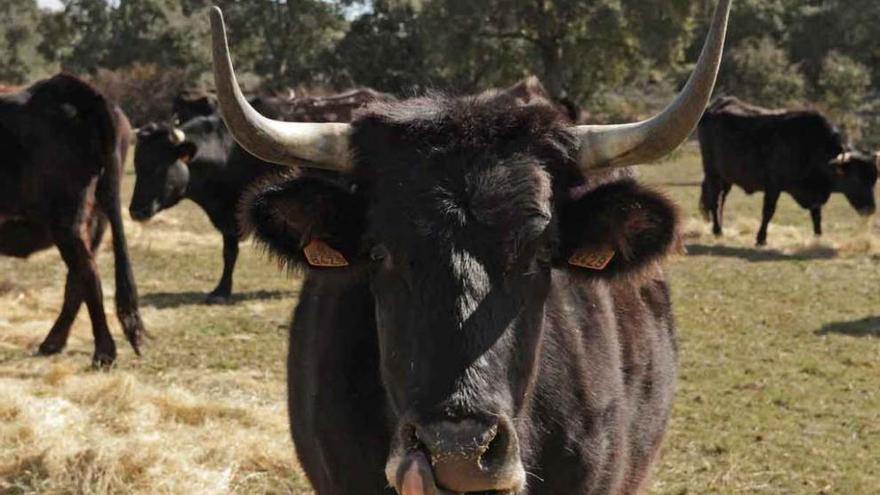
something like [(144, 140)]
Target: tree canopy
[(592, 52)]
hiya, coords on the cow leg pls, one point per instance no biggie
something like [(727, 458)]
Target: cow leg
[(718, 211), (57, 338), (770, 200), (56, 341), (816, 214), (223, 292), (81, 265)]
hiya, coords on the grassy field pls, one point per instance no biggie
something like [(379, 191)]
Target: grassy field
[(779, 389)]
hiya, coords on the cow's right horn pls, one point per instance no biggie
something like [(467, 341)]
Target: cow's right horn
[(324, 145), (609, 146)]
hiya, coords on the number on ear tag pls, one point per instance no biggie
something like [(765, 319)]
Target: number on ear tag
[(320, 255), (592, 259)]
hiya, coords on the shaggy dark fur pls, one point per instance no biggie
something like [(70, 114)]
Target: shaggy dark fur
[(778, 151), (64, 146), (459, 305)]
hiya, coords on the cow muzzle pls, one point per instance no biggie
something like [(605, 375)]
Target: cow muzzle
[(143, 213), (460, 457)]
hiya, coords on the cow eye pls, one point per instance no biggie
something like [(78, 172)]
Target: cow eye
[(378, 253)]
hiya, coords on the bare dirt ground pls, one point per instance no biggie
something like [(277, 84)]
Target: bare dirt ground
[(779, 389)]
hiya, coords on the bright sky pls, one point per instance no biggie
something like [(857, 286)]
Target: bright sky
[(49, 4)]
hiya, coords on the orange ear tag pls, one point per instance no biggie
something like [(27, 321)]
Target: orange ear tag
[(320, 255), (592, 259)]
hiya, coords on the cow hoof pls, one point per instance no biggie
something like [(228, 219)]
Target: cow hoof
[(103, 361), (49, 349), (218, 299)]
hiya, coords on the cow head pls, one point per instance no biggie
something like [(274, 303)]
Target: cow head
[(189, 105), (464, 214), (161, 163), (855, 175)]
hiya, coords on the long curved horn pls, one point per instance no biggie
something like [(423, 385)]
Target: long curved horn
[(642, 142), (325, 145)]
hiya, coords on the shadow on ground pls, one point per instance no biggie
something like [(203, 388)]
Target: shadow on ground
[(164, 300), (757, 255), (866, 327), (682, 183)]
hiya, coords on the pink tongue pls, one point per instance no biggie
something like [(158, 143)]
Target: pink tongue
[(417, 478)]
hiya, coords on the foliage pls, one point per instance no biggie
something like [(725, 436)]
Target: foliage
[(759, 71), (287, 42), (128, 85), (843, 88), (595, 53), (91, 34), (19, 40)]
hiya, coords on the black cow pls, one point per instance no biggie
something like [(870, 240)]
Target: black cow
[(477, 315), (200, 161), (775, 151), (63, 146), (191, 104)]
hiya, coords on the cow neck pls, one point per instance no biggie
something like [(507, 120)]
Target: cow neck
[(203, 185)]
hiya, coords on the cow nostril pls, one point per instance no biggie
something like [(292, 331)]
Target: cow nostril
[(496, 449)]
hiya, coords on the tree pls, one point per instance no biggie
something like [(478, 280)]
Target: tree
[(79, 36), (843, 90), (391, 37), (91, 34), (288, 42), (759, 71), (19, 58), (578, 48)]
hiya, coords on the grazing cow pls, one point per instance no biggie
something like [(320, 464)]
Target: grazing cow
[(63, 146), (200, 161), (478, 315), (775, 151)]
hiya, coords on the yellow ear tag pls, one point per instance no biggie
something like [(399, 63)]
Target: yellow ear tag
[(320, 255), (592, 259)]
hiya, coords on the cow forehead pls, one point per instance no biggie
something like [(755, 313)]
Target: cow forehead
[(464, 205), (444, 166)]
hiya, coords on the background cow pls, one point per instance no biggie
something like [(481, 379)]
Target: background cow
[(191, 104), (475, 309), (200, 161), (775, 151), (63, 147)]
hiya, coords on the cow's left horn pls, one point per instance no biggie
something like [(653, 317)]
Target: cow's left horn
[(177, 136), (285, 143), (642, 142)]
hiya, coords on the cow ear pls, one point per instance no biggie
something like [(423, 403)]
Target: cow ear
[(616, 229), (305, 220), (186, 151)]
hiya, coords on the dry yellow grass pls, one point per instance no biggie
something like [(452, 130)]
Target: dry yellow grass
[(66, 431)]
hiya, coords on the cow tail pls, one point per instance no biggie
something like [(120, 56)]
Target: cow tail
[(116, 141)]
